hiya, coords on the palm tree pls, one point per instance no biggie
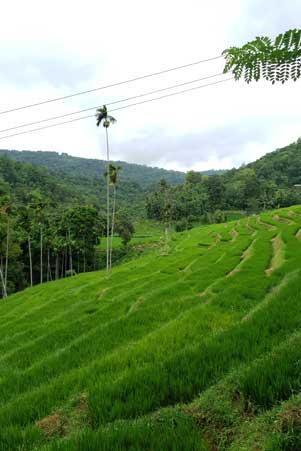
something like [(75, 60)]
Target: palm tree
[(113, 175), (3, 271), (103, 116)]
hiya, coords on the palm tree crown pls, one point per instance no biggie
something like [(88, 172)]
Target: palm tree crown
[(113, 173), (103, 116)]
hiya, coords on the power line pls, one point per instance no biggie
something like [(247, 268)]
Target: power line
[(130, 80), (115, 109), (172, 94), (156, 91)]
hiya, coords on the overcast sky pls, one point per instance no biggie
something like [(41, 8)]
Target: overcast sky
[(51, 49)]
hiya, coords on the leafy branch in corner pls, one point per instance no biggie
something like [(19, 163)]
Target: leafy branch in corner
[(275, 61)]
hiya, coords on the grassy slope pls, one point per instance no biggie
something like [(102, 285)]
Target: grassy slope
[(193, 346), (147, 232)]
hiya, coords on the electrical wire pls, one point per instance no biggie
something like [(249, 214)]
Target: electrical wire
[(116, 109), (172, 94), (156, 91), (130, 80)]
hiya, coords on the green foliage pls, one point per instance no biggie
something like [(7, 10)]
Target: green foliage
[(169, 431), (183, 224), (103, 116), (38, 225), (124, 227), (276, 377), (41, 200), (188, 201), (278, 60), (267, 183), (113, 173), (219, 216), (161, 331), (84, 170)]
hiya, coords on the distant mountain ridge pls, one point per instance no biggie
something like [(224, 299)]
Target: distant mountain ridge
[(145, 176)]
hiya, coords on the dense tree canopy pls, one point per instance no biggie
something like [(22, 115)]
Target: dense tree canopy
[(267, 183), (49, 227), (91, 169)]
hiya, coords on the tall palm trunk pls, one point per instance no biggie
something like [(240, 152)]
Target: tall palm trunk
[(113, 224), (49, 276), (7, 251), (4, 292), (63, 264), (66, 260), (30, 259), (70, 254), (57, 267), (41, 254), (108, 201)]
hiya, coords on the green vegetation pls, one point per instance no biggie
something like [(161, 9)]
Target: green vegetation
[(275, 61), (46, 215), (90, 169), (102, 117), (147, 234), (71, 187), (50, 227), (193, 345), (264, 184)]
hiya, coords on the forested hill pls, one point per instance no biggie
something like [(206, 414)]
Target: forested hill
[(283, 165), (264, 184), (19, 179), (90, 168)]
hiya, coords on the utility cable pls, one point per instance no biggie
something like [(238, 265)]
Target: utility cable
[(116, 109), (156, 91), (130, 80)]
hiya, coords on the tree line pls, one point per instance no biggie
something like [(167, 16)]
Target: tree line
[(40, 243), (47, 230), (265, 184)]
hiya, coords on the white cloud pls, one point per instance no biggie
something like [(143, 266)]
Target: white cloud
[(50, 49)]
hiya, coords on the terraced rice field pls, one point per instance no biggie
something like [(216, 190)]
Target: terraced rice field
[(194, 346)]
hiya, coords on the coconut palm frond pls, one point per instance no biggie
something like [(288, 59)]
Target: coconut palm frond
[(113, 173), (103, 110), (99, 118), (112, 119), (111, 169), (101, 114)]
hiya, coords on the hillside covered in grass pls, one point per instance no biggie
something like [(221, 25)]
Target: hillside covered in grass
[(195, 345)]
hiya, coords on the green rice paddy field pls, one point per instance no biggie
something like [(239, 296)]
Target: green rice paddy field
[(195, 345)]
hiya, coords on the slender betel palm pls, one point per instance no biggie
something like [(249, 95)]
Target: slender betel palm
[(103, 116), (113, 175)]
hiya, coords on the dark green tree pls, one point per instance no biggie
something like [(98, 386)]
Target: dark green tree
[(193, 178), (124, 227), (215, 191), (9, 246)]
